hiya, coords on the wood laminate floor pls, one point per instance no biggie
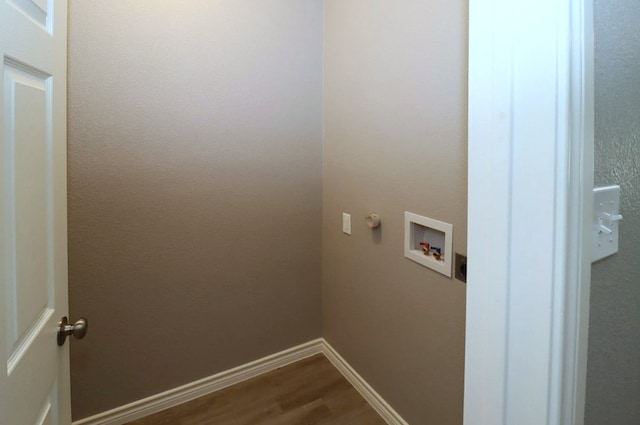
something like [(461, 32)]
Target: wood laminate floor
[(309, 392)]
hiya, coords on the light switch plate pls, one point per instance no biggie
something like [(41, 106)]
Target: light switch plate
[(346, 223), (606, 219)]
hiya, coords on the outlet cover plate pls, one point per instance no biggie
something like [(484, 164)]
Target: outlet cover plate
[(461, 267)]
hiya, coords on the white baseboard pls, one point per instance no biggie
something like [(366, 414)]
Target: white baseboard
[(375, 400), (156, 403), (159, 402)]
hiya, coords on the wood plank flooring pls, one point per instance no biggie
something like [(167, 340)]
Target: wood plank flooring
[(309, 392)]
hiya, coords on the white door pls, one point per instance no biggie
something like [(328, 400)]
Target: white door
[(34, 370)]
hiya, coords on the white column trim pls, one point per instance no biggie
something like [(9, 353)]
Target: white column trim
[(526, 211), (578, 288)]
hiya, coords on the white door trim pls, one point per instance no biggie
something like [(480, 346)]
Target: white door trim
[(530, 141), (580, 200)]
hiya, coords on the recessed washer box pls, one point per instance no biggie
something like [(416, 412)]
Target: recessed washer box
[(428, 242)]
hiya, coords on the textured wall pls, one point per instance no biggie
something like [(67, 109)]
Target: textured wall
[(395, 140), (613, 378), (194, 189)]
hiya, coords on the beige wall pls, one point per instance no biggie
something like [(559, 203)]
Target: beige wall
[(194, 189), (613, 369), (395, 140), (196, 202)]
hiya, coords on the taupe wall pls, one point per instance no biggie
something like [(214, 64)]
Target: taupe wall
[(194, 189), (395, 140), (613, 377), (196, 200)]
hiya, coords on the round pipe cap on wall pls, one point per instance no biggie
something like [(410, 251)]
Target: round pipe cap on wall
[(373, 220)]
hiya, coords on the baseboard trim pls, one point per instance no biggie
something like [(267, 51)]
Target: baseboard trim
[(171, 398), (366, 391)]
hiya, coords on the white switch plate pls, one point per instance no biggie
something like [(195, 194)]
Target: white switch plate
[(606, 217), (346, 223)]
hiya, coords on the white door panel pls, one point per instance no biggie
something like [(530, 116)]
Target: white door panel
[(34, 382)]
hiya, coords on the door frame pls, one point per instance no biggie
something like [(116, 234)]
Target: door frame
[(529, 221)]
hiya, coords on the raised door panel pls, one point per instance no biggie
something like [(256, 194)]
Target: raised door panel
[(33, 288)]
